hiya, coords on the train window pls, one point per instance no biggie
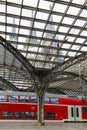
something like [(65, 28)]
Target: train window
[(46, 100), (13, 98), (72, 112), (54, 100), (24, 99), (29, 114), (50, 115), (77, 112), (18, 114), (85, 109), (6, 114), (3, 98), (34, 99)]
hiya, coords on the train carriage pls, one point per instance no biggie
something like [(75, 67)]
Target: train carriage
[(20, 107)]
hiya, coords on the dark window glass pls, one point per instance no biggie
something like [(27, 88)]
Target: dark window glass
[(50, 115), (18, 114), (85, 109), (6, 114), (72, 112), (46, 100), (54, 100), (34, 99), (29, 114), (24, 99), (77, 112), (13, 98), (3, 98)]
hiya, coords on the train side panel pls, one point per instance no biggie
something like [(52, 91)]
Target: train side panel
[(60, 112), (17, 111), (84, 113)]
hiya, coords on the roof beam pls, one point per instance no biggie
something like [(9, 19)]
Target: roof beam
[(10, 85), (18, 55), (70, 62), (58, 70)]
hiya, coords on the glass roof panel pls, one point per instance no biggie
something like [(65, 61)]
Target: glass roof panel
[(9, 29), (84, 13), (63, 29), (26, 23), (45, 4), (27, 12), (84, 49), (73, 10), (39, 25), (32, 3), (51, 27), (42, 15), (74, 31), (65, 0), (80, 40), (21, 39), (59, 8), (83, 33), (75, 47), (60, 37), (71, 53), (80, 23), (13, 10), (20, 47), (2, 18), (81, 2), (64, 52), (66, 45), (56, 18), (48, 35), (17, 2), (39, 33), (2, 28), (67, 20), (2, 8), (13, 20), (71, 39), (24, 31)]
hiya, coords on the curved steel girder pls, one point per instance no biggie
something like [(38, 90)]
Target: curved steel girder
[(70, 62), (55, 90), (8, 84), (65, 73), (17, 70), (59, 70), (18, 55), (61, 79)]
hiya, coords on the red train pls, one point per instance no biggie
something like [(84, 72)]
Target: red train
[(59, 109)]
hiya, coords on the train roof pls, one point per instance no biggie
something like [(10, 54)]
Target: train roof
[(34, 94), (31, 94)]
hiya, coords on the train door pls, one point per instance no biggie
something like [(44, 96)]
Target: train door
[(74, 113)]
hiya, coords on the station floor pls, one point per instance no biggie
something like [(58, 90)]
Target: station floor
[(47, 126)]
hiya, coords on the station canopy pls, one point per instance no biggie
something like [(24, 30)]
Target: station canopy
[(51, 35)]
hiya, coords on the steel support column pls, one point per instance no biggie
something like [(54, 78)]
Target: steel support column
[(40, 114), (40, 92)]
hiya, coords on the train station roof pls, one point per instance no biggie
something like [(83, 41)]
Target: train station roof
[(52, 36)]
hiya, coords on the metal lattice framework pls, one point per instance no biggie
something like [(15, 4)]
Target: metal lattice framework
[(46, 39)]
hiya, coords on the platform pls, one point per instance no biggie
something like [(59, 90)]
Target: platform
[(47, 126)]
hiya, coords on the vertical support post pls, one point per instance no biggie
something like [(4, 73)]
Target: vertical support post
[(40, 89), (40, 114)]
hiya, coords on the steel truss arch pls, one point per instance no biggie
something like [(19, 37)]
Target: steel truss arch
[(61, 70), (8, 84), (19, 56)]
